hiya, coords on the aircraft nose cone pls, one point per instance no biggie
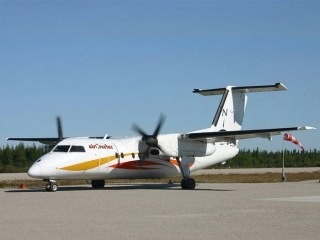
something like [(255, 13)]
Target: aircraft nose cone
[(35, 171)]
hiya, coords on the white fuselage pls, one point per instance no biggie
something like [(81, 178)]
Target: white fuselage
[(83, 158)]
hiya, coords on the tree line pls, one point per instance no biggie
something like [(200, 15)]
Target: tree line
[(263, 159), (20, 157)]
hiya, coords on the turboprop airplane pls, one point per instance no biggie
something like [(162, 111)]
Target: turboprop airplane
[(156, 155)]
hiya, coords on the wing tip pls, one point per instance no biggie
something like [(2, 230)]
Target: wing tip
[(281, 86), (306, 128)]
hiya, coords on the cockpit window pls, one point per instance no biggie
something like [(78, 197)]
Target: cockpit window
[(61, 148), (77, 149)]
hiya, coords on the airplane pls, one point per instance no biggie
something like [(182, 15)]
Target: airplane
[(153, 155)]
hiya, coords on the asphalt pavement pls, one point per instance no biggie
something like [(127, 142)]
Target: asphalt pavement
[(24, 176), (283, 210)]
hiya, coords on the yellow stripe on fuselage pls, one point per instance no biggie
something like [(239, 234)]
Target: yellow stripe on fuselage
[(90, 164), (82, 166)]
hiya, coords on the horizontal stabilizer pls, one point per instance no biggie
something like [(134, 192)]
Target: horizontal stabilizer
[(247, 89)]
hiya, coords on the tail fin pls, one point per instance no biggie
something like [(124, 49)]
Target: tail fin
[(230, 113)]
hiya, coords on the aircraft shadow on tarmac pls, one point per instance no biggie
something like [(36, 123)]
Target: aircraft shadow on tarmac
[(118, 187)]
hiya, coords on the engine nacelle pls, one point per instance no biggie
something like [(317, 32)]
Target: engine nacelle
[(175, 147)]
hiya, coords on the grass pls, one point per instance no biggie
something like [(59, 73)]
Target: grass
[(220, 178)]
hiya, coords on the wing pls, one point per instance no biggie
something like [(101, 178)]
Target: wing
[(231, 136), (50, 141)]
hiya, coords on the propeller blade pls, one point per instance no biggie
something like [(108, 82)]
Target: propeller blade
[(59, 126), (158, 146), (159, 126), (137, 129)]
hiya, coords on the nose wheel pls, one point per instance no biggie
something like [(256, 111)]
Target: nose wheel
[(51, 186)]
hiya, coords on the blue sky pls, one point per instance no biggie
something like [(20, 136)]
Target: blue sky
[(103, 65)]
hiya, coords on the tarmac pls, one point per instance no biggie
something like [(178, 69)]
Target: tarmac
[(24, 176), (286, 210)]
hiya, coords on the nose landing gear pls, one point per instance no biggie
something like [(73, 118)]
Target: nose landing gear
[(51, 186)]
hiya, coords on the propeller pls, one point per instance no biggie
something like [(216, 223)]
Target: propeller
[(150, 140), (51, 141), (59, 127)]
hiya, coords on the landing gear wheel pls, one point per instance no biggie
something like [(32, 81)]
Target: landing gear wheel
[(183, 184), (51, 187), (54, 187), (191, 183), (97, 183)]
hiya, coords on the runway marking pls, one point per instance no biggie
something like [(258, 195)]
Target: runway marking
[(315, 199)]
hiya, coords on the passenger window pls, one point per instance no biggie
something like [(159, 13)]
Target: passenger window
[(133, 156), (122, 156), (61, 148), (117, 155), (77, 149)]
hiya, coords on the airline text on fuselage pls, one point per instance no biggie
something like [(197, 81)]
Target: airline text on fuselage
[(100, 146)]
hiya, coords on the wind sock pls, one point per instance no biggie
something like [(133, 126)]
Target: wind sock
[(289, 137)]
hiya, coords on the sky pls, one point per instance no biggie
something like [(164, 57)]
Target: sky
[(104, 65)]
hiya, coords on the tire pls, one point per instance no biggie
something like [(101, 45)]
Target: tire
[(183, 184), (54, 187), (191, 183), (51, 187), (97, 183)]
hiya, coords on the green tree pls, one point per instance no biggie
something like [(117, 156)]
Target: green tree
[(19, 156), (8, 156)]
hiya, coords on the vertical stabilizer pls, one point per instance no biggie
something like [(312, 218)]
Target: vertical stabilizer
[(230, 113)]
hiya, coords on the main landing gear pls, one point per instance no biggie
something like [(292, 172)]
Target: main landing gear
[(190, 183), (186, 182), (97, 183), (51, 186)]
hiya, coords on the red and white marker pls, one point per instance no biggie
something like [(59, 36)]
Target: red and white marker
[(289, 137)]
